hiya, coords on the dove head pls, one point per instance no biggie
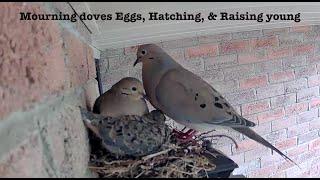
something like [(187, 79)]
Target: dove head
[(130, 87), (147, 53)]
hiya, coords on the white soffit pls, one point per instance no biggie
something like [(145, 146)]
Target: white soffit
[(113, 34)]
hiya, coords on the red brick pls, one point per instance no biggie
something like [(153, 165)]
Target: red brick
[(305, 71), (264, 42), (234, 46), (239, 72), (301, 28), (215, 38), (313, 59), (248, 167), (312, 36), (278, 53), (303, 49), (284, 165), (314, 145), (91, 63), (295, 86), (220, 61), (276, 135), (315, 169), (287, 143), (303, 138), (307, 116), (272, 159), (270, 115), (289, 40), (263, 172), (263, 128), (256, 153), (76, 59), (180, 43), (252, 82), (113, 52), (275, 31), (202, 51), (307, 156), (283, 123), (298, 129), (295, 172), (91, 91), (241, 97), (314, 124), (25, 161), (238, 158), (246, 34), (307, 94), (294, 61), (283, 100), (131, 50), (314, 103), (254, 107), (281, 76), (296, 108), (314, 80), (278, 175), (209, 76), (270, 91), (244, 146), (318, 68), (296, 151), (32, 61), (225, 86), (252, 57), (176, 54)]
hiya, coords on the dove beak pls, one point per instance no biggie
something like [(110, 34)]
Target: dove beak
[(136, 62)]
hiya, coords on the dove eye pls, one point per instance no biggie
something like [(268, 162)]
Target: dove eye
[(143, 52), (134, 88), (202, 105)]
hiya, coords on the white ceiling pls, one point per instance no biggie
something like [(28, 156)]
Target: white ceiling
[(112, 34)]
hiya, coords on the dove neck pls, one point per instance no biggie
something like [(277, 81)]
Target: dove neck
[(163, 63), (152, 71)]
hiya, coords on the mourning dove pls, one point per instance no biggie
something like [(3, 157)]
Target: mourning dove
[(186, 98), (129, 135), (126, 97)]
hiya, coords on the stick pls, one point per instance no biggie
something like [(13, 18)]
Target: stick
[(217, 135), (155, 154)]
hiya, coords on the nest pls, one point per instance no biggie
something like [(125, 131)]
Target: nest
[(174, 160)]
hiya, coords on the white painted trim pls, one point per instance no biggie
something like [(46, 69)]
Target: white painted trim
[(84, 7), (112, 35), (96, 52)]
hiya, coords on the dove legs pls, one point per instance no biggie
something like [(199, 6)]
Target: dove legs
[(185, 136)]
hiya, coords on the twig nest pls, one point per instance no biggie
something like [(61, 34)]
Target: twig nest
[(114, 156)]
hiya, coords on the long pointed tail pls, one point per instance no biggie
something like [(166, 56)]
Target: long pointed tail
[(254, 136)]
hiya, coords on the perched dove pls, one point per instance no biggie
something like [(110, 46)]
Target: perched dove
[(188, 99), (129, 135), (126, 97)]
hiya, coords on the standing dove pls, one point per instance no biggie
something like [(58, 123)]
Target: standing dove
[(129, 135), (188, 99), (126, 97)]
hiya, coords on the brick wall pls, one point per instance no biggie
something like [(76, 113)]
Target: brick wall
[(46, 71), (271, 76)]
